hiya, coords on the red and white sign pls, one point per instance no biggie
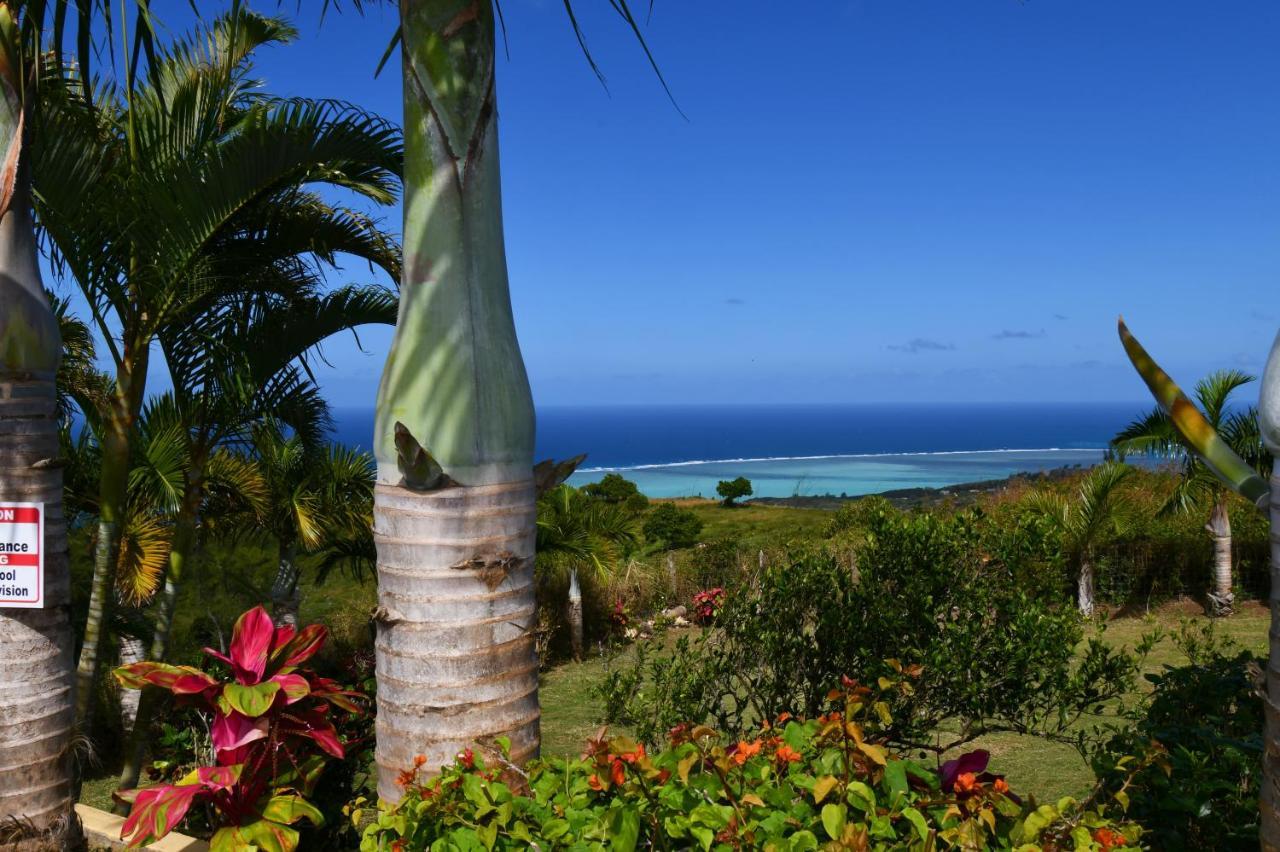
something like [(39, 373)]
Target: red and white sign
[(22, 555)]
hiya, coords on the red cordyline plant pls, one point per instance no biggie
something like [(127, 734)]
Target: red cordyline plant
[(271, 736), (707, 605)]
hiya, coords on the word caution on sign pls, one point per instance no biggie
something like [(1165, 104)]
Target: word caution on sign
[(22, 555)]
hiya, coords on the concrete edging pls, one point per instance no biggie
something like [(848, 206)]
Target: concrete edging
[(102, 831)]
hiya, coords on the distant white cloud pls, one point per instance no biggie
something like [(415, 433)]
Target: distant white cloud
[(1008, 334), (923, 344)]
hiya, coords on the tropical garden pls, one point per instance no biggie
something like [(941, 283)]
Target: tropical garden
[(257, 636)]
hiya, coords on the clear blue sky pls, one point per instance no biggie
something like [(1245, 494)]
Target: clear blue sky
[(870, 201)]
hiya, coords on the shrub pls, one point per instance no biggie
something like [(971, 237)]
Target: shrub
[(988, 656), (270, 732), (613, 488), (733, 489), (1208, 720), (793, 786), (672, 527)]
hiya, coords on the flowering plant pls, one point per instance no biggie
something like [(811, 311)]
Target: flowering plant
[(828, 782), (707, 605), (271, 735)]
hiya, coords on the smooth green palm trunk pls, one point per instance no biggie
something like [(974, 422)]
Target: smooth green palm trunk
[(456, 658)]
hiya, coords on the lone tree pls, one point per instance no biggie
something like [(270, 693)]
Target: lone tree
[(732, 489), (672, 527), (618, 490)]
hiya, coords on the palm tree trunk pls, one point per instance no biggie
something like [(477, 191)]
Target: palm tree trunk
[(1084, 588), (133, 649), (285, 600), (457, 663), (112, 496), (1269, 799), (1221, 596), (36, 685), (575, 614)]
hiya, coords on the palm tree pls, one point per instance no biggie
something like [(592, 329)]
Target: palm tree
[(145, 200), (454, 508), (578, 533), (1085, 522), (1242, 477), (319, 501), (1154, 435)]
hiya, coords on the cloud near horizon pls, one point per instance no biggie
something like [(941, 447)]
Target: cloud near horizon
[(1008, 334), (923, 344)]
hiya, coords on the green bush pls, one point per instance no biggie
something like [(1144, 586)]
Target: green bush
[(731, 490), (1208, 720), (928, 599), (828, 782), (672, 527), (614, 488)]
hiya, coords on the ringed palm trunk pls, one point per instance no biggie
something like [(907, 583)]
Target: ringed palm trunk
[(113, 485), (575, 614), (1085, 587), (456, 661), (285, 600), (1221, 596), (36, 684)]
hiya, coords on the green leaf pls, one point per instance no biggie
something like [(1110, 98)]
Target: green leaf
[(917, 819), (262, 835), (833, 820), (252, 701), (1192, 427), (289, 809), (624, 829)]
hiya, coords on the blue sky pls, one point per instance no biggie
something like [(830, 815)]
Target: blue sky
[(869, 201)]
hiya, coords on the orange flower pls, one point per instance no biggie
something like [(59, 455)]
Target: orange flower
[(786, 754), (1108, 839), (966, 782), (1000, 786), (744, 751), (634, 756), (594, 783), (617, 772), (406, 777), (664, 776), (783, 717), (419, 761)]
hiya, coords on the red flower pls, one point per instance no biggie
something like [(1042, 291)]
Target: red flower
[(1000, 786), (467, 758), (1108, 839), (966, 784), (617, 772)]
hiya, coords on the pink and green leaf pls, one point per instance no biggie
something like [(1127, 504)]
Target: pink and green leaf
[(251, 640), (1192, 427), (180, 680), (300, 648), (158, 810), (294, 686), (233, 730)]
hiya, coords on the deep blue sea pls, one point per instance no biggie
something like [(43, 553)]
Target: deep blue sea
[(785, 450)]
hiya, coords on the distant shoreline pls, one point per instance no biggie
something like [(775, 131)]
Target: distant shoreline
[(962, 494)]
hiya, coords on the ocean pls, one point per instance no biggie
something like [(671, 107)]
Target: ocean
[(809, 450)]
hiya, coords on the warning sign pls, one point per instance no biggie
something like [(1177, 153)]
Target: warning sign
[(22, 555)]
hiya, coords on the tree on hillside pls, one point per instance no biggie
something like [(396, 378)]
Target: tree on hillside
[(616, 489), (1154, 435), (1084, 521), (731, 490), (169, 197), (579, 534), (671, 527)]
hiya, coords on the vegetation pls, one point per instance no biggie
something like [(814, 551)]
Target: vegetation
[(1154, 435), (790, 785), (614, 488), (732, 490), (669, 527)]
